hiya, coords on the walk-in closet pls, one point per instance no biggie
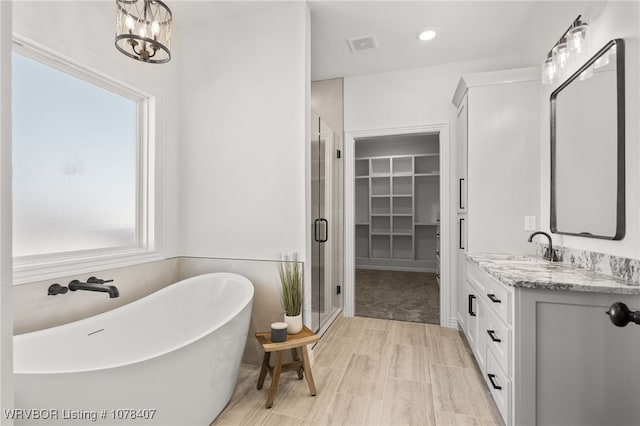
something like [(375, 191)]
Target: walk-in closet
[(397, 209)]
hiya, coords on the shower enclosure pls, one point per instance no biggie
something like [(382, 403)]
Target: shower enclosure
[(326, 227)]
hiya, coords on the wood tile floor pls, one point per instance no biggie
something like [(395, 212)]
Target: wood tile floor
[(371, 371)]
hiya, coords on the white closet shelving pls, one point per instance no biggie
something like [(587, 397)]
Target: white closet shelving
[(397, 209)]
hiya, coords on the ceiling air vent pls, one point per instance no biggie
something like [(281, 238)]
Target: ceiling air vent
[(362, 43)]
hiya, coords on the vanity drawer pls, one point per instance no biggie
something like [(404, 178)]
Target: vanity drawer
[(498, 338), (475, 278), (499, 385), (497, 297)]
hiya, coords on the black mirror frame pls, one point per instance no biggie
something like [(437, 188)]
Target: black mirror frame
[(620, 204)]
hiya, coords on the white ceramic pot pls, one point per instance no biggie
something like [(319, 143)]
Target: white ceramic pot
[(294, 324)]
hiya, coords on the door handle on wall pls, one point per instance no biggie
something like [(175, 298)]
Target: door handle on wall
[(326, 230), (460, 222), (460, 192)]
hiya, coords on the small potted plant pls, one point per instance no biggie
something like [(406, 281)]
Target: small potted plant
[(291, 292)]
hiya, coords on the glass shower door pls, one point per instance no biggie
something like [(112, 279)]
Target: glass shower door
[(323, 250)]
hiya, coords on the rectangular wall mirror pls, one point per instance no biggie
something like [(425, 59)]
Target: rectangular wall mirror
[(587, 148)]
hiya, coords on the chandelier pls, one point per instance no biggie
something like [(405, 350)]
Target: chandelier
[(143, 30)]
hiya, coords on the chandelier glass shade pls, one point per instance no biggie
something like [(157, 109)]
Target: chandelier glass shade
[(143, 30)]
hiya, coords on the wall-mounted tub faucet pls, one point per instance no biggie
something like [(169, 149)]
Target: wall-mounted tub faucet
[(95, 284), (94, 280), (55, 289), (549, 254)]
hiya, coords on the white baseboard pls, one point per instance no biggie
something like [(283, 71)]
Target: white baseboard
[(397, 268), (453, 323)]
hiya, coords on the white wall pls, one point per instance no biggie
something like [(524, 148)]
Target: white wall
[(617, 20), (413, 97), (243, 132)]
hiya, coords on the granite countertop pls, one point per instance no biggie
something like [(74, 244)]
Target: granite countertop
[(536, 273)]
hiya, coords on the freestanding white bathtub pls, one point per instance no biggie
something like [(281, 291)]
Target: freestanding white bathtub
[(171, 358)]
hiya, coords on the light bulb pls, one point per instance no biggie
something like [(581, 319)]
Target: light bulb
[(427, 35), (129, 22), (577, 39), (548, 71), (143, 31), (155, 28), (561, 54)]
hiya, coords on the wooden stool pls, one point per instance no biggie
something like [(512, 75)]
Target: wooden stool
[(293, 342)]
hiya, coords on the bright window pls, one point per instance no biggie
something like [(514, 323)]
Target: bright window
[(79, 152)]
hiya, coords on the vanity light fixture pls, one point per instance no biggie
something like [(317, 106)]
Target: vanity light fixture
[(570, 49), (143, 30), (426, 35)]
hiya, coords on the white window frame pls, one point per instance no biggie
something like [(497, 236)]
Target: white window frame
[(33, 268)]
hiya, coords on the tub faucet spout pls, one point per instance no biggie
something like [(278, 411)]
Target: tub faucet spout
[(111, 289)]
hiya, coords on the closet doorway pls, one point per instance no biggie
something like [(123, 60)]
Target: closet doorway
[(397, 205)]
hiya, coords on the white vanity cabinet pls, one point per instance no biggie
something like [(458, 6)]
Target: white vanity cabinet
[(496, 140), (461, 131), (552, 356), (490, 334)]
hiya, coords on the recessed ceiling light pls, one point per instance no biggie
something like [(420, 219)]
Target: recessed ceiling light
[(427, 35)]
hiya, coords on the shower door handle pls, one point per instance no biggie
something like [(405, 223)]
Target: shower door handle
[(326, 230), (316, 229)]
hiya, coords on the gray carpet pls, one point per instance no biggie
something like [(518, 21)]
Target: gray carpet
[(394, 295)]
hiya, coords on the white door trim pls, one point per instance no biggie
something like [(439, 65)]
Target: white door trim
[(6, 258), (446, 288)]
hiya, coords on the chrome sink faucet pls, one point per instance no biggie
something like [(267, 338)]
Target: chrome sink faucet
[(549, 254)]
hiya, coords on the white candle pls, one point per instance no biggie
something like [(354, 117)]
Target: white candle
[(279, 332)]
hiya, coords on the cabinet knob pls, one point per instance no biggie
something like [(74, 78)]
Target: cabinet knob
[(620, 314)]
